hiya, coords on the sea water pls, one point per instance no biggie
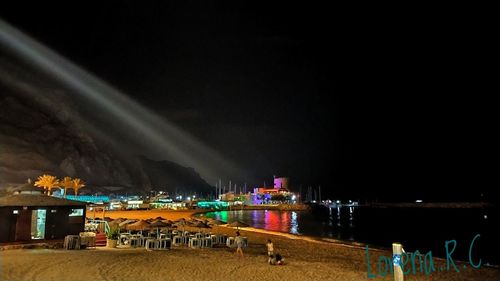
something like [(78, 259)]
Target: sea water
[(417, 229)]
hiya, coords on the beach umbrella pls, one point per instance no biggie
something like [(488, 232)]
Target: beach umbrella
[(116, 222), (154, 220), (201, 225), (160, 218), (238, 224), (169, 222), (181, 223), (181, 219), (215, 222), (158, 224), (123, 224), (138, 225)]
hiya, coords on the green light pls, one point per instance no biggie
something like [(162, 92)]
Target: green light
[(217, 205)]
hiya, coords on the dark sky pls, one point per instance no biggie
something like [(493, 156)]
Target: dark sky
[(363, 104)]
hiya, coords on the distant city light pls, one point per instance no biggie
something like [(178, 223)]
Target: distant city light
[(418, 201)]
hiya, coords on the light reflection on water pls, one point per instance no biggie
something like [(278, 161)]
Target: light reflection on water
[(294, 222), (281, 221), (417, 229)]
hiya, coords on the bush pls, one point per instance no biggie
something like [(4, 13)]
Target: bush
[(113, 233)]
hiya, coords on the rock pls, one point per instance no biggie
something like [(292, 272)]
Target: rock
[(38, 136)]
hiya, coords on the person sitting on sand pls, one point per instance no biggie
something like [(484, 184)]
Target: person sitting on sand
[(280, 260), (276, 260), (238, 240)]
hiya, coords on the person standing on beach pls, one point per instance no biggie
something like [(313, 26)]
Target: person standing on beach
[(270, 248), (238, 240)]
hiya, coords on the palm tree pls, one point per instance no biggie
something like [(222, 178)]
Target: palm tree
[(48, 182), (77, 184), (67, 182)]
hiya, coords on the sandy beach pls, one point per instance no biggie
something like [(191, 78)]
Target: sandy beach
[(306, 259)]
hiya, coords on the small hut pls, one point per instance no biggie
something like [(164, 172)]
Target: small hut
[(35, 217)]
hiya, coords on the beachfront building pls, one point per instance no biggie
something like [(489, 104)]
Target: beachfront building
[(213, 205), (261, 195), (91, 199), (35, 217), (277, 194), (168, 203), (236, 199)]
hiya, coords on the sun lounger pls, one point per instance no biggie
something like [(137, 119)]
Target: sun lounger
[(165, 244), (72, 242), (124, 239), (206, 243), (152, 244), (194, 243), (230, 242), (135, 242), (177, 241)]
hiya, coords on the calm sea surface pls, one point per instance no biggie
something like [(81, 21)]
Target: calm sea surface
[(416, 228)]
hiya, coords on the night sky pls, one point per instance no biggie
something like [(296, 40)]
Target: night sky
[(365, 104)]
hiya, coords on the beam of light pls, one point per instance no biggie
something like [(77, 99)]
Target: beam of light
[(159, 136)]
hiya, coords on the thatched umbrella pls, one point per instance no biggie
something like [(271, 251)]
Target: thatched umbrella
[(158, 224), (238, 224), (215, 222), (116, 222), (127, 221), (169, 222), (181, 223), (138, 225), (123, 224), (160, 218), (201, 225)]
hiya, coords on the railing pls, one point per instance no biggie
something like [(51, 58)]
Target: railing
[(100, 225)]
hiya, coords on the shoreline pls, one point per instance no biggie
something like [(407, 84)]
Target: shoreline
[(199, 213), (306, 258)]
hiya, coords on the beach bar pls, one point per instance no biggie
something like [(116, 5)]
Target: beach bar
[(36, 217)]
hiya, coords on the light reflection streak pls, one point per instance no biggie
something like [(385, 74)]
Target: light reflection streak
[(156, 135)]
